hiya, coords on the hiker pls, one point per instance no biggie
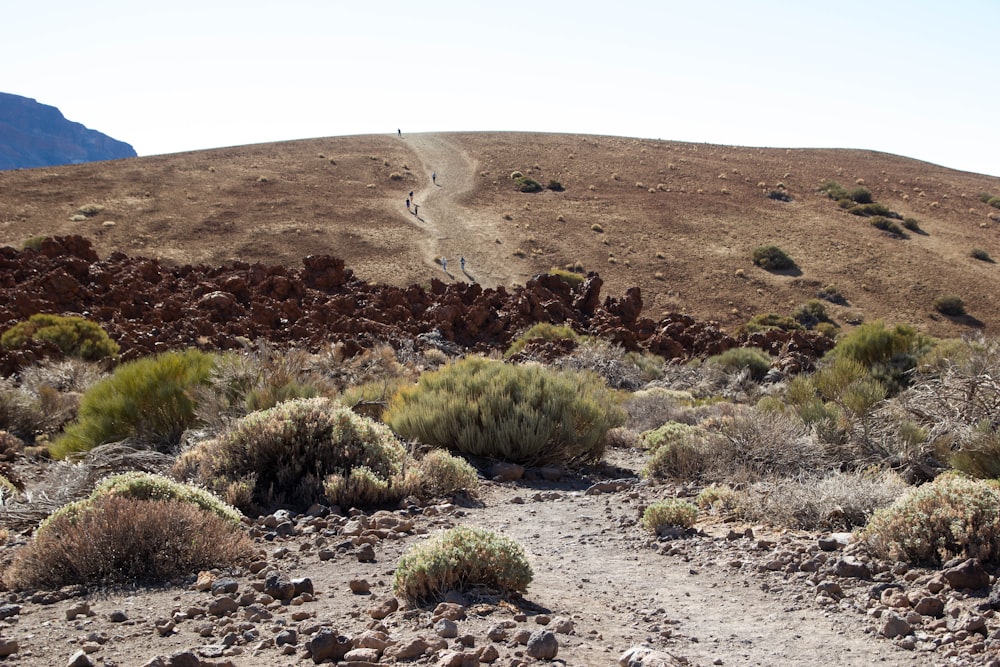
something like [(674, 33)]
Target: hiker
[(434, 177), (411, 194), (400, 133), (444, 264), (407, 205), (415, 208), (462, 262)]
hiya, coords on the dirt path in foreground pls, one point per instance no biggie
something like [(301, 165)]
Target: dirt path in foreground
[(454, 230)]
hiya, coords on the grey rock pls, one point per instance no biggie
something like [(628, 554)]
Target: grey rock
[(968, 574), (80, 659), (224, 585), (445, 628), (542, 645), (894, 625), (327, 645)]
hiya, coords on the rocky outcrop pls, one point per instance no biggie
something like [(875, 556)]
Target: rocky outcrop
[(147, 307), (37, 135)]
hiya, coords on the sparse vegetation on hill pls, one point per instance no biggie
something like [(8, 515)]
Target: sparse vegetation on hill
[(772, 258), (71, 336)]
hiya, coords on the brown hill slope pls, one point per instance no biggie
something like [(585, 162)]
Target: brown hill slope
[(679, 220)]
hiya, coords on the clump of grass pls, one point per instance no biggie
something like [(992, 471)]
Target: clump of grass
[(571, 278), (772, 258), (753, 360), (951, 517), (555, 186), (540, 331), (442, 474), (982, 255), (886, 225), (527, 184), (669, 513), (912, 224), (765, 321), (461, 559), (90, 210), (596, 227), (717, 497)]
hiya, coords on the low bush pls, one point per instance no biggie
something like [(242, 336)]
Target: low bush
[(72, 336), (753, 360), (571, 278), (873, 209), (461, 559), (120, 540), (765, 321), (669, 513), (888, 354), (719, 497), (834, 190), (442, 474), (981, 255), (950, 305), (149, 486), (912, 224), (886, 225), (772, 258), (682, 454), (555, 186), (372, 398), (620, 369), (652, 407), (149, 400), (779, 195), (812, 313), (861, 195), (978, 455), (522, 414), (951, 517), (299, 453)]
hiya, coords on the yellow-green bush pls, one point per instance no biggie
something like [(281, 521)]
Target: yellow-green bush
[(460, 559), (571, 278), (523, 414), (669, 513), (73, 336), (372, 398), (298, 453), (149, 486), (542, 331), (149, 400), (114, 539), (682, 453), (754, 360), (951, 517), (889, 354)]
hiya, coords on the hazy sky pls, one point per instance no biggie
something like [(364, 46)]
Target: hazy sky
[(916, 78)]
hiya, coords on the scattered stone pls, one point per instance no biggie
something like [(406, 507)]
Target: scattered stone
[(929, 606), (450, 611), (8, 610), (279, 587), (506, 472), (562, 625), (286, 637), (407, 650), (488, 654), (365, 553), (164, 626), (852, 567), (224, 586), (118, 616), (79, 609), (445, 628), (543, 645), (221, 606), (8, 647), (80, 659), (359, 586)]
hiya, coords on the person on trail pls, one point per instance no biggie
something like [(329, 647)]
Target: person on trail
[(434, 177), (400, 133), (462, 262), (415, 208), (444, 264), (411, 194), (407, 205)]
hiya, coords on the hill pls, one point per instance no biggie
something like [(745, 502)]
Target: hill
[(38, 135), (678, 220)]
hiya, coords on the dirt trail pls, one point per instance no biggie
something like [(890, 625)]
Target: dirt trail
[(454, 230)]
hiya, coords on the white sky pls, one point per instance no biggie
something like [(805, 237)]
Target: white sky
[(917, 78)]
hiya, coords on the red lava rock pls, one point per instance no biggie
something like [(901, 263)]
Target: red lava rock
[(147, 307)]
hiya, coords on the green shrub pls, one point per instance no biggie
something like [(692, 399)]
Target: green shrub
[(90, 210), (540, 331), (834, 190), (34, 243), (779, 195), (682, 454), (73, 336), (889, 355), (861, 195), (299, 453), (886, 225), (984, 197), (113, 539), (950, 305), (811, 313), (772, 258), (571, 278), (994, 202), (149, 400), (951, 517), (523, 414), (442, 474), (527, 184), (873, 209), (555, 186), (765, 321), (981, 255), (461, 559), (371, 399), (912, 224), (669, 513), (717, 496), (754, 360), (666, 434)]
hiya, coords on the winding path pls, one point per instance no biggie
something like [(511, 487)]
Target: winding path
[(453, 229)]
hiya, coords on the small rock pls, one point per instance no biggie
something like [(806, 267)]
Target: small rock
[(929, 606), (445, 628), (303, 586), (286, 637), (80, 609), (8, 647), (543, 619), (406, 651), (360, 586), (449, 610), (562, 625), (542, 645), (506, 472), (8, 610), (80, 659), (851, 567), (327, 645), (365, 553), (118, 616), (488, 654), (221, 606), (224, 586)]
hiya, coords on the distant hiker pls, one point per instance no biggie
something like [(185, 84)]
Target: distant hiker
[(415, 207), (462, 262), (411, 194), (407, 205), (400, 133), (434, 178), (444, 264)]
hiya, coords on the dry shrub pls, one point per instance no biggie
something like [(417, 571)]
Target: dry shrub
[(951, 517), (717, 497), (378, 364), (461, 559), (761, 444), (841, 501), (620, 369), (116, 540), (683, 454), (654, 406)]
